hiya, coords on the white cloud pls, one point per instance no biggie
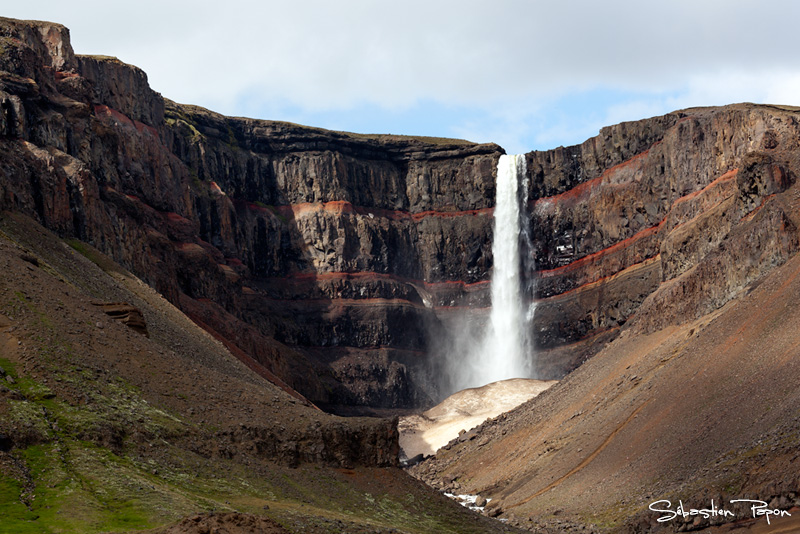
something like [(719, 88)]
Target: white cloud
[(508, 59)]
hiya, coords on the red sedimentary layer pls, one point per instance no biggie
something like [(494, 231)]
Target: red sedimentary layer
[(348, 302), (731, 174), (630, 241), (581, 190), (61, 75), (367, 349), (600, 279), (472, 308), (465, 285), (595, 256), (174, 217), (343, 207), (100, 109), (755, 210), (216, 189)]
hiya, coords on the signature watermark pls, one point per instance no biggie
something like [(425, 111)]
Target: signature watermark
[(757, 509)]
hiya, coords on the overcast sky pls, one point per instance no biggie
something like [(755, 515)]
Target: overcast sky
[(524, 74)]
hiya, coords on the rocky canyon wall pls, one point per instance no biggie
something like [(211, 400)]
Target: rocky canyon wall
[(336, 261), (683, 201), (322, 255)]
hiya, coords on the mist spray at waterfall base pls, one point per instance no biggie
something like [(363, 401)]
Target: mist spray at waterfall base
[(503, 348)]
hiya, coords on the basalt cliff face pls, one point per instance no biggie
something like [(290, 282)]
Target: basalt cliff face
[(335, 263), (660, 221), (320, 255)]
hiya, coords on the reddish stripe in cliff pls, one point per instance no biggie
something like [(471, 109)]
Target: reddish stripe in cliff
[(625, 243), (350, 348), (752, 213), (581, 190), (465, 307), (215, 189), (100, 109), (593, 283), (371, 302), (345, 302), (730, 175), (446, 214), (616, 247), (343, 207), (174, 217), (61, 75), (465, 285)]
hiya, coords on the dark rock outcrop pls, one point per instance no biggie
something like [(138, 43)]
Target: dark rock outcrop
[(123, 312)]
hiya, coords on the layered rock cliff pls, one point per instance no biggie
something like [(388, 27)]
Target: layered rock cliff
[(683, 201), (336, 262), (322, 255)]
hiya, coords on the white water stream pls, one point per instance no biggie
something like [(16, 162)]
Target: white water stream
[(505, 350), (506, 344)]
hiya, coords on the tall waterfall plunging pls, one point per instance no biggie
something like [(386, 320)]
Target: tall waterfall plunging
[(507, 342), (505, 349)]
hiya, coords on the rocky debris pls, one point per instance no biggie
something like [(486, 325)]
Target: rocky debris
[(494, 509), (123, 312), (30, 258), (225, 523)]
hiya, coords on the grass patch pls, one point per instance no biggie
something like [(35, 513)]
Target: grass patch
[(95, 256), (232, 142), (81, 488), (175, 119), (438, 141)]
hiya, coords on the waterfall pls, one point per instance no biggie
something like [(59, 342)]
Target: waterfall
[(505, 348), (506, 343)]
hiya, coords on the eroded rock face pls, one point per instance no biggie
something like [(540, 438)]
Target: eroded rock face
[(685, 218), (348, 256)]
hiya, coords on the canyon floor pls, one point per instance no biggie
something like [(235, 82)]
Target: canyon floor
[(105, 430), (462, 411)]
